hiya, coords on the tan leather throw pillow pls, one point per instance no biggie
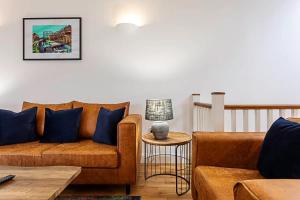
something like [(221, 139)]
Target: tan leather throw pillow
[(90, 113)]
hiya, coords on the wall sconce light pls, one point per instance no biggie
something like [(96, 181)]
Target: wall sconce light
[(126, 27), (128, 17), (129, 22)]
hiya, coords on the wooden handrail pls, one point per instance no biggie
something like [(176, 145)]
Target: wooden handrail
[(261, 107), (204, 105), (252, 106), (218, 93)]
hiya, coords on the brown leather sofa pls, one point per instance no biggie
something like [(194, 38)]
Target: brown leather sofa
[(101, 163), (224, 168)]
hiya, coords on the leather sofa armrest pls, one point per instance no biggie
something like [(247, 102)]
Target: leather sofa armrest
[(129, 143), (235, 150)]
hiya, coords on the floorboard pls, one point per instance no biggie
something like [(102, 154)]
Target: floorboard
[(155, 188)]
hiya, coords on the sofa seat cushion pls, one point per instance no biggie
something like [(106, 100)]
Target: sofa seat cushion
[(84, 153), (267, 189), (25, 154), (218, 182)]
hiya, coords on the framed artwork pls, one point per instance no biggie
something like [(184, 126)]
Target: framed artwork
[(52, 38)]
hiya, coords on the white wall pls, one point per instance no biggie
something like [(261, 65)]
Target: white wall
[(249, 49)]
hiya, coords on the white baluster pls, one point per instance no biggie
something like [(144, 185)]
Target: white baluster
[(269, 118), (282, 113), (245, 121), (257, 120), (217, 111), (209, 122), (294, 112), (203, 119), (195, 98), (200, 119), (206, 119), (196, 120), (233, 120)]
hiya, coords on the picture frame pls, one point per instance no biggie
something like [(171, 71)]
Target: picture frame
[(52, 38)]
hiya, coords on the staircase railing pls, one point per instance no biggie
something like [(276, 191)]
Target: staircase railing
[(217, 116)]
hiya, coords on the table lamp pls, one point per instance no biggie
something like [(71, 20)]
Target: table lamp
[(159, 111)]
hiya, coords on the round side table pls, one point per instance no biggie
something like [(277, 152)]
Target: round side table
[(161, 155)]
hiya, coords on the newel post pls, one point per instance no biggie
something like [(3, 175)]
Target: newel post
[(195, 98), (217, 111)]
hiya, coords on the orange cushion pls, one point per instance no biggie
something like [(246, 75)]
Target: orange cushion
[(85, 153), (294, 119), (265, 189), (218, 182), (25, 154), (40, 117), (90, 113)]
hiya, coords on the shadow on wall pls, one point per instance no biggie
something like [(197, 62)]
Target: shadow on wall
[(188, 112), (1, 22), (7, 83), (182, 115), (8, 93)]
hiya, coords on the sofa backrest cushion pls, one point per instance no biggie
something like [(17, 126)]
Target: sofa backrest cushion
[(107, 125), (90, 114), (17, 127), (61, 126), (40, 117), (279, 156), (294, 119)]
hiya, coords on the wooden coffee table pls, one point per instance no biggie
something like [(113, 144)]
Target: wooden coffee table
[(36, 183)]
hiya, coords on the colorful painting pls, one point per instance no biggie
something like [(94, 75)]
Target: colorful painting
[(52, 38)]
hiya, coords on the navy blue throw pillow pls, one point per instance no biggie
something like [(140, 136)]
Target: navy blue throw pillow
[(107, 125), (280, 153), (17, 127), (61, 126)]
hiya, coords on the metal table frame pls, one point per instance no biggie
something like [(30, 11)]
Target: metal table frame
[(158, 160)]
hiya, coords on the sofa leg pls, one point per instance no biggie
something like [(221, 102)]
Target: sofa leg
[(127, 189)]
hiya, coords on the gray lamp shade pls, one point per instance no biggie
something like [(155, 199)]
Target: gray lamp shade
[(159, 109)]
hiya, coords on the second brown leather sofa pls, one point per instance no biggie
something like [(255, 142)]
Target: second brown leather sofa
[(224, 168)]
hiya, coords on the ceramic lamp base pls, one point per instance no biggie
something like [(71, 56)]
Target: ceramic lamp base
[(160, 130)]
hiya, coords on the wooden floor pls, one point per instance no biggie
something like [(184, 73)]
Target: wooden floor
[(155, 188)]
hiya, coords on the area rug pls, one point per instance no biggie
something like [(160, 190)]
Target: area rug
[(101, 198)]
